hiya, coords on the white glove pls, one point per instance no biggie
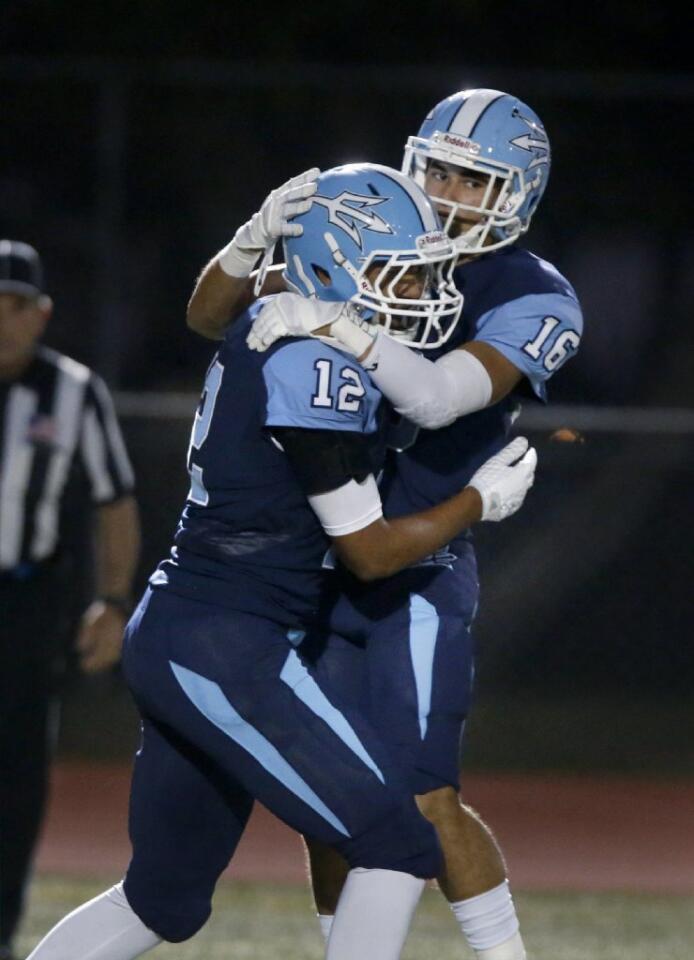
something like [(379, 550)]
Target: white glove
[(261, 233), (504, 479), (291, 315)]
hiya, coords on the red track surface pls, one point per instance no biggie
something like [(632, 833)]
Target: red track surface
[(556, 831)]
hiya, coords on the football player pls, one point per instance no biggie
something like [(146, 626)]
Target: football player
[(484, 158), (283, 454)]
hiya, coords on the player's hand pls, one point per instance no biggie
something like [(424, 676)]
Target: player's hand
[(291, 315), (503, 481), (272, 222), (100, 637)]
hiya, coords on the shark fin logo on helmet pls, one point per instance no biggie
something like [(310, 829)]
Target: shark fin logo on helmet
[(353, 213)]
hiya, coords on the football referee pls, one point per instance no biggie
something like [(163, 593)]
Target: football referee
[(60, 445)]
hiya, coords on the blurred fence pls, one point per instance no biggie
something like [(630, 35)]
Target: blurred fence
[(588, 586), (129, 176), (585, 657)]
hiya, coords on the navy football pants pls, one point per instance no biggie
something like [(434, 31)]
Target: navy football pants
[(231, 713), (402, 653)]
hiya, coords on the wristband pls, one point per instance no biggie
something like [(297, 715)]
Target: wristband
[(489, 497), (354, 335), (237, 261)]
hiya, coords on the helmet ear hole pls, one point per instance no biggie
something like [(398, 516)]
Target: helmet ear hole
[(322, 274)]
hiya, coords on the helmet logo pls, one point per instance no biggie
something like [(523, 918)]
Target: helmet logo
[(456, 141), (350, 212), (535, 142)]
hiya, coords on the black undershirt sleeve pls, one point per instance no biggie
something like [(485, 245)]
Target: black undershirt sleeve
[(324, 460)]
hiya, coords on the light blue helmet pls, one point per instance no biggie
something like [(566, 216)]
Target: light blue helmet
[(492, 133), (367, 227)]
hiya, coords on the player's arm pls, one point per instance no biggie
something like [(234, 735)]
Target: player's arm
[(495, 492), (225, 288), (428, 394), (432, 395), (218, 299), (333, 468), (530, 337)]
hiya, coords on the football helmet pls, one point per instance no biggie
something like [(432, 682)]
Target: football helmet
[(371, 234), (495, 134)]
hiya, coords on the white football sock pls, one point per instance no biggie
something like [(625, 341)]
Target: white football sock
[(512, 949), (105, 928), (326, 921), (373, 915), (490, 925)]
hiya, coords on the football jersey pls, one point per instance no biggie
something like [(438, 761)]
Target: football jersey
[(247, 536), (529, 312)]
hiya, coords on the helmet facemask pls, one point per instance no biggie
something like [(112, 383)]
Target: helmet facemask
[(500, 216), (425, 321)]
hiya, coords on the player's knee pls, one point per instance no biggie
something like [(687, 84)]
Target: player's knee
[(176, 922), (177, 927), (441, 807), (404, 841), (174, 915)]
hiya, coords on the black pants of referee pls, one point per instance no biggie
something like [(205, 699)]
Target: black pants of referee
[(32, 629)]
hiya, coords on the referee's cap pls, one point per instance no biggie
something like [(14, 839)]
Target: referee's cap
[(20, 269)]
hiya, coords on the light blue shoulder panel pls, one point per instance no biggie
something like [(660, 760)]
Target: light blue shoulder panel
[(537, 333), (310, 384)]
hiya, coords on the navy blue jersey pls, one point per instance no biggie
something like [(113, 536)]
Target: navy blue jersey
[(247, 537), (529, 312)]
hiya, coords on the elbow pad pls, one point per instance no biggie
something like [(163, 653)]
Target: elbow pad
[(431, 395)]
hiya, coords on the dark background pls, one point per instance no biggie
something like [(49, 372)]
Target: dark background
[(136, 137)]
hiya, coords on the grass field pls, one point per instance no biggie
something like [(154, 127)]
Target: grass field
[(259, 922)]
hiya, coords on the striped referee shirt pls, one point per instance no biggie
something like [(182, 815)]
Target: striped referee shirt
[(56, 421)]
